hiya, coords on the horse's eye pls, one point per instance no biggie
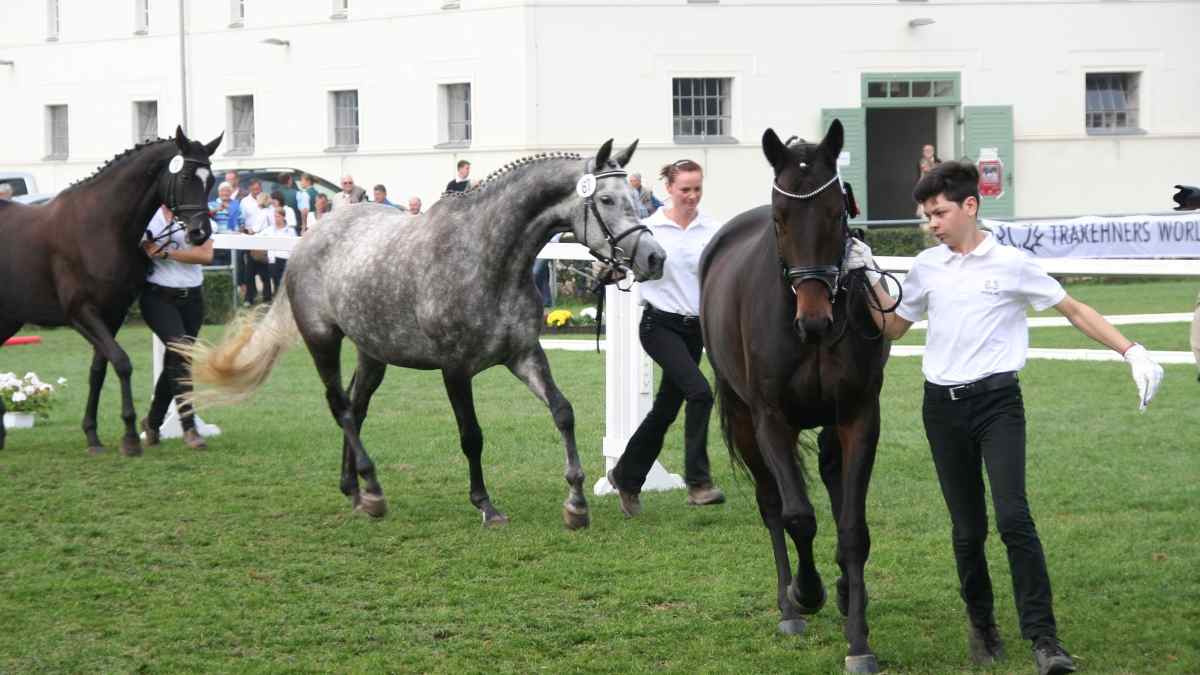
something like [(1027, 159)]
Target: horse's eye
[(606, 200)]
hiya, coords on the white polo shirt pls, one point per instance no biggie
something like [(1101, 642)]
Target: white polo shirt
[(678, 291), (172, 273), (976, 308)]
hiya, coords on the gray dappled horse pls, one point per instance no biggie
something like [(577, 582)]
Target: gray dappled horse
[(450, 290)]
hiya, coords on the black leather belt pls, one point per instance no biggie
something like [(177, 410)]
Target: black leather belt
[(171, 293), (960, 391), (682, 319)]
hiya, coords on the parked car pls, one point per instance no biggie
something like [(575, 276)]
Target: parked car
[(34, 198), (269, 177)]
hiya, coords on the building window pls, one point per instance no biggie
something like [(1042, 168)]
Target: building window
[(341, 9), (57, 145), (451, 4), (240, 122), (145, 121), (456, 125), (1112, 103), (345, 118), (909, 90), (237, 13), (141, 16), (53, 20), (701, 107)]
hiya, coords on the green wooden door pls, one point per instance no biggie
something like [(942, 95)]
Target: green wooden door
[(854, 122), (991, 126)]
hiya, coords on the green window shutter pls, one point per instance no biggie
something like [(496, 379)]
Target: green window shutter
[(854, 122), (991, 126)]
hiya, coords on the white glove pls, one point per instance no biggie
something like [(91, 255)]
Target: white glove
[(858, 256), (1147, 374)]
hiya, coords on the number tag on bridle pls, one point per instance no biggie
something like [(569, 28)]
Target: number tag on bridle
[(586, 187), (176, 164)]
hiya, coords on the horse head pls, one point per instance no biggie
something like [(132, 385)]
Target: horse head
[(808, 207), (607, 222), (186, 182)]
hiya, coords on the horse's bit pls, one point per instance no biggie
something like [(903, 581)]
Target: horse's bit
[(618, 259), (830, 275)]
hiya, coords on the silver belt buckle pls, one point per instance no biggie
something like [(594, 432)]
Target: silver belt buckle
[(954, 396)]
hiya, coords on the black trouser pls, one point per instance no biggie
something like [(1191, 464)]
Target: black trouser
[(261, 270), (174, 315), (675, 344), (989, 429), (277, 269)]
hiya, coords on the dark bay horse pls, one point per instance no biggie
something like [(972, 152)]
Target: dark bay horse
[(451, 290), (793, 347), (77, 260)]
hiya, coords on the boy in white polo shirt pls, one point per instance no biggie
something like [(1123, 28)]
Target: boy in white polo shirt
[(974, 292)]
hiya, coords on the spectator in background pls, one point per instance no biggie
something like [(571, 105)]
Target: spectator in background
[(258, 266), (226, 212), (350, 194), (381, 197), (290, 199), (277, 260), (646, 201), (249, 210), (239, 192), (278, 202), (462, 181), (320, 210), (6, 191), (308, 201), (929, 159), (414, 206)]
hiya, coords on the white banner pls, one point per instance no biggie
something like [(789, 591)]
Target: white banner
[(1167, 236)]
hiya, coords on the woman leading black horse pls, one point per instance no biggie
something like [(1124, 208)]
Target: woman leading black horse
[(670, 334), (173, 306)]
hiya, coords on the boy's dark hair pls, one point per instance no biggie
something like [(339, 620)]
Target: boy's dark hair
[(955, 180), (462, 163), (381, 188)]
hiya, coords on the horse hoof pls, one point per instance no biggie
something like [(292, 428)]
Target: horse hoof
[(97, 450), (865, 663), (372, 505), (495, 520), (792, 627), (575, 518), (131, 447), (800, 606)]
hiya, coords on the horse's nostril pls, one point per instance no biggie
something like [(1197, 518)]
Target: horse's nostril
[(656, 262)]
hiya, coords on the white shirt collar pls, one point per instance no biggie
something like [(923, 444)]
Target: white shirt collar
[(981, 250)]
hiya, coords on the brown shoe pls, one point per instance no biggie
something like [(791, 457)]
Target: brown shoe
[(631, 504), (194, 440), (151, 434), (704, 495)]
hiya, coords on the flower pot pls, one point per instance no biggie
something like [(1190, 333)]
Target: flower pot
[(18, 420)]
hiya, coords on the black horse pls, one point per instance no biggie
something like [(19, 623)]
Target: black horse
[(77, 260), (793, 347)]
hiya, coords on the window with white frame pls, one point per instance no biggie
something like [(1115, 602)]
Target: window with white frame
[(456, 104), (240, 123), (53, 19), (145, 121), (344, 106), (341, 9), (1112, 103), (57, 144), (141, 16), (237, 13), (701, 108)]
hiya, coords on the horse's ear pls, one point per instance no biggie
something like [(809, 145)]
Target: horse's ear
[(603, 155), (834, 139), (210, 148), (181, 141), (625, 155), (773, 148)]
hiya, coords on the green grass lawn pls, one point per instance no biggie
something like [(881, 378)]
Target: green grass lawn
[(247, 558)]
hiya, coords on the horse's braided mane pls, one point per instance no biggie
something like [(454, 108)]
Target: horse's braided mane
[(514, 165), (115, 159)]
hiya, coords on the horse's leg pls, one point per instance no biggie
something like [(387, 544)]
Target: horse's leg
[(96, 375), (777, 441), (458, 388), (533, 369), (89, 324), (366, 379), (325, 345), (858, 438), (8, 329), (831, 475)]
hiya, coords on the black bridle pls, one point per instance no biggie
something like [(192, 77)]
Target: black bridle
[(616, 259), (830, 275), (170, 194)]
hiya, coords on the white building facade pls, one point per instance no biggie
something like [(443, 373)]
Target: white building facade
[(1090, 105)]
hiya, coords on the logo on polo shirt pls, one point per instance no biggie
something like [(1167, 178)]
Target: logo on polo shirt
[(991, 286)]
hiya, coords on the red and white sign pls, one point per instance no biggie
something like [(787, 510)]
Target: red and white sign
[(991, 173)]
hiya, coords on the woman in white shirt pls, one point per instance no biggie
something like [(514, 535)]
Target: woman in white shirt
[(262, 220), (172, 304), (278, 258), (670, 334)]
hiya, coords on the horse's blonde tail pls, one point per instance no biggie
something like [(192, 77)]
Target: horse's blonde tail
[(234, 369)]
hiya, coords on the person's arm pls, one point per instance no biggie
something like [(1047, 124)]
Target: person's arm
[(1092, 324), (895, 326), (197, 255)]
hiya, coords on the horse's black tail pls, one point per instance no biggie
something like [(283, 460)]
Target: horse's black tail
[(725, 403)]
